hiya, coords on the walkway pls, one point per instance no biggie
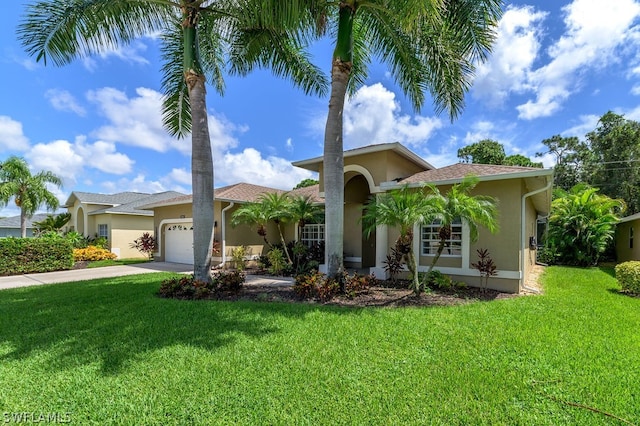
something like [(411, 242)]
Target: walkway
[(27, 280)]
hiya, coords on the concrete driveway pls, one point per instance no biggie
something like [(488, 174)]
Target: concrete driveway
[(27, 280), (15, 281)]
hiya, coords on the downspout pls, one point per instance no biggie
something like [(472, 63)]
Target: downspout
[(223, 235), (523, 231)]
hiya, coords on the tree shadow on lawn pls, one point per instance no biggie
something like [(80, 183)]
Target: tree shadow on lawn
[(114, 321)]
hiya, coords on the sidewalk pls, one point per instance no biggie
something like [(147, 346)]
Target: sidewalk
[(27, 280)]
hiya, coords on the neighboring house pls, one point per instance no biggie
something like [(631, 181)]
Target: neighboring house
[(524, 196), (116, 217), (626, 230), (10, 226)]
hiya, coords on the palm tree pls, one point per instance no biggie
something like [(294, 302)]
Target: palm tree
[(53, 223), (303, 211), (28, 191), (403, 208), (582, 224), (196, 35), (458, 205), (429, 46), (277, 207), (252, 214)]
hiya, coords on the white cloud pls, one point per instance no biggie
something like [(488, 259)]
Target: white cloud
[(138, 184), (62, 100), (137, 121), (372, 115), (480, 130), (68, 160), (635, 90), (596, 31), (181, 176), (250, 166), (586, 124), (11, 136), (516, 48), (131, 53), (289, 144)]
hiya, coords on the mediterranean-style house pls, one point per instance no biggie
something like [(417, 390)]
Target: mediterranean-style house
[(524, 196), (116, 217)]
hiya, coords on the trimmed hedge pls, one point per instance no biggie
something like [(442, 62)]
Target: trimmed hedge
[(29, 255), (628, 275)]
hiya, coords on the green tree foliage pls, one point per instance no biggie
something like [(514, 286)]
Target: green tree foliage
[(306, 183), (459, 204), (608, 159), (488, 151), (28, 191), (198, 39), (581, 225), (403, 208), (303, 210), (52, 223)]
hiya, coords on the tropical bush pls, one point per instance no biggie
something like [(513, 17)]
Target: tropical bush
[(582, 225), (145, 244), (187, 287), (238, 255), (30, 255), (92, 253), (628, 275), (318, 286)]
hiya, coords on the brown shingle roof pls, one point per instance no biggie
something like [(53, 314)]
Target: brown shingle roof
[(309, 191), (246, 192), (461, 170)]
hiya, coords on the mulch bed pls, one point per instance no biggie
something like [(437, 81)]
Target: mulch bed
[(381, 295)]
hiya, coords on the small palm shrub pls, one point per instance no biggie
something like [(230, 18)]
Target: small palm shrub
[(628, 275)]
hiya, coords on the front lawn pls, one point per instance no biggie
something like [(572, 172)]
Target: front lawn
[(115, 262), (110, 351)]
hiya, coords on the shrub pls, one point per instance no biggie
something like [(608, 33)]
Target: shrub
[(438, 280), (76, 239), (306, 285), (276, 261), (628, 275), (356, 284), (92, 253), (145, 244), (187, 288), (229, 281), (30, 255), (238, 257), (486, 266), (316, 285), (394, 264)]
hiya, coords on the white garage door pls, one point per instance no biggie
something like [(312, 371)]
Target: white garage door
[(179, 243)]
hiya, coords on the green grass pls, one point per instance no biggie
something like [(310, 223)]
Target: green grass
[(115, 262), (110, 352)]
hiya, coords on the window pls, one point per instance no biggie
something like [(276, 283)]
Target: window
[(430, 239), (103, 230), (312, 234), (631, 237)]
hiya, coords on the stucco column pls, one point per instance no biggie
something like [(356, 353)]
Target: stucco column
[(382, 249)]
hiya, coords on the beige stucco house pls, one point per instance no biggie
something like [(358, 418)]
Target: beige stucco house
[(117, 217), (524, 195), (625, 248)]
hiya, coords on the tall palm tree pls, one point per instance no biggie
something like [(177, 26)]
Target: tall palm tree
[(403, 208), (459, 205), (429, 46), (196, 35), (28, 191)]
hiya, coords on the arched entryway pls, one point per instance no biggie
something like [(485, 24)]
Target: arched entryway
[(359, 249), (80, 221)]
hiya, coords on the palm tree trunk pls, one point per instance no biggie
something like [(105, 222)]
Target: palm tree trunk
[(23, 222), (434, 261), (333, 145), (284, 244), (201, 157)]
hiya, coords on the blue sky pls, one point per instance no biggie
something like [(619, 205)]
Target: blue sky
[(557, 67)]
